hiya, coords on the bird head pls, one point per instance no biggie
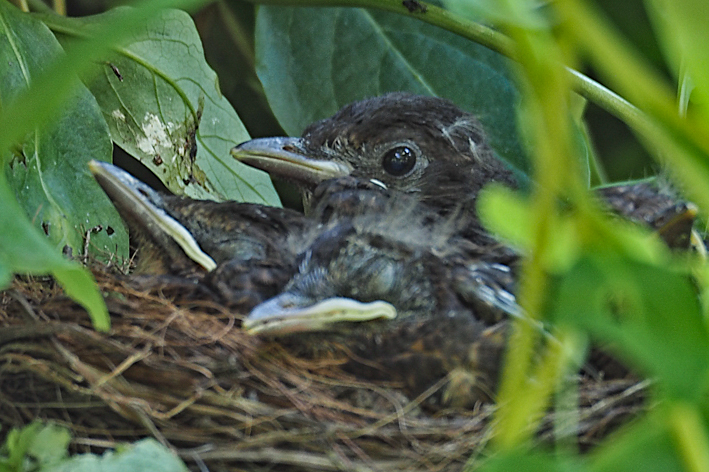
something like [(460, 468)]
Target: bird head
[(413, 144)]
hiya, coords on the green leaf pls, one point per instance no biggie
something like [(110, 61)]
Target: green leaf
[(163, 104), (20, 115), (24, 250), (531, 461), (682, 28), (646, 445), (44, 447), (147, 455), (50, 444), (16, 445), (79, 284), (5, 272), (48, 171), (649, 315), (313, 61), (34, 446), (508, 214)]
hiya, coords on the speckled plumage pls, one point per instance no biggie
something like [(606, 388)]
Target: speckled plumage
[(421, 271), (655, 205)]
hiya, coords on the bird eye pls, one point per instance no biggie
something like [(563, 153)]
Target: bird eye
[(399, 160)]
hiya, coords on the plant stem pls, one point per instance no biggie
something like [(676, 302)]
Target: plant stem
[(681, 141), (686, 425), (39, 5), (59, 7)]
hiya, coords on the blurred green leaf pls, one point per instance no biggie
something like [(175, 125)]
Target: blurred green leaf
[(527, 15), (34, 447), (79, 284), (682, 29), (163, 105), (314, 61), (508, 214), (5, 272), (15, 448), (50, 444), (649, 315), (645, 445), (44, 447), (147, 455), (48, 171), (530, 462)]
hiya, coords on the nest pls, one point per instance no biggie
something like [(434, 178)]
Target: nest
[(184, 373)]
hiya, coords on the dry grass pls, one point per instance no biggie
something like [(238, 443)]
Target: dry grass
[(184, 373)]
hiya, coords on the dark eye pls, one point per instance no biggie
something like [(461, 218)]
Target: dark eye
[(399, 160)]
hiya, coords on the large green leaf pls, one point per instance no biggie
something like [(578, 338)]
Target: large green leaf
[(313, 61), (163, 106), (24, 250), (48, 171), (648, 314)]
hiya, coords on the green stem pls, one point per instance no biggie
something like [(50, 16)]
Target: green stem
[(59, 7), (39, 5), (527, 384), (607, 99), (683, 142), (686, 425), (21, 4)]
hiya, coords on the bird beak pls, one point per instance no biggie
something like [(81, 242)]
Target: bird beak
[(140, 206), (291, 313), (287, 158), (675, 228)]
